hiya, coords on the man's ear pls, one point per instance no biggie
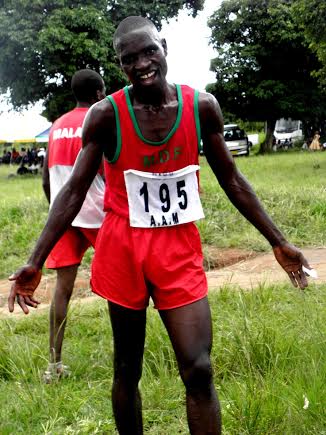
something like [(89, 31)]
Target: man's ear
[(99, 95), (117, 60), (164, 45)]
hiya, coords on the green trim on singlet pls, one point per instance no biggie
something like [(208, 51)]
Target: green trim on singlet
[(118, 128), (135, 123), (197, 120)]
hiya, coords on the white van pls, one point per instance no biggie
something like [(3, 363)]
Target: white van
[(287, 130)]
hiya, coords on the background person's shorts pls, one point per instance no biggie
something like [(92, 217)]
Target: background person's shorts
[(131, 265), (70, 249)]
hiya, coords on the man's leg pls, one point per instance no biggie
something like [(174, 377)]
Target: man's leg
[(128, 328), (190, 331), (58, 312)]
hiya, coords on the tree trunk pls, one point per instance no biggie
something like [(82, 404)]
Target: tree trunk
[(267, 145)]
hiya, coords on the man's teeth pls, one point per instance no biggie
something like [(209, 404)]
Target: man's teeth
[(147, 76)]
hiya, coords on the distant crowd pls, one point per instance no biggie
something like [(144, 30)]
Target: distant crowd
[(310, 144), (314, 144), (29, 160)]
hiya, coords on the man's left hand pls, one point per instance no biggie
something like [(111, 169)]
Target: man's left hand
[(292, 260)]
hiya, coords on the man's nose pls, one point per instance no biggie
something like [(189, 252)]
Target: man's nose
[(143, 62)]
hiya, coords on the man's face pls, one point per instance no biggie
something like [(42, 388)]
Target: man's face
[(142, 57)]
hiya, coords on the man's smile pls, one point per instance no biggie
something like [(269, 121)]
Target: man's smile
[(147, 76)]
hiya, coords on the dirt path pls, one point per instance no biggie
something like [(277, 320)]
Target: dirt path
[(264, 269), (227, 266)]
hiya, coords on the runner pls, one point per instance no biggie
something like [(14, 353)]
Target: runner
[(64, 145), (148, 246)]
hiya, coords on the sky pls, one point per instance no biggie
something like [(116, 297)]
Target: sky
[(189, 53), (189, 56)]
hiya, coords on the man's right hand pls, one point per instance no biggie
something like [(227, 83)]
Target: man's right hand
[(26, 279)]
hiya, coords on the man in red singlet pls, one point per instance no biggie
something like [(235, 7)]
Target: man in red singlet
[(65, 141), (148, 245)]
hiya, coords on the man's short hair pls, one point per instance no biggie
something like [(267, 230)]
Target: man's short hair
[(128, 25), (85, 83)]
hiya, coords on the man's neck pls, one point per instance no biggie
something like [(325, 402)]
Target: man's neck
[(155, 97), (81, 104)]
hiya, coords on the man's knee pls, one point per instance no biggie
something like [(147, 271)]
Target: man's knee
[(127, 374), (64, 287), (198, 375)]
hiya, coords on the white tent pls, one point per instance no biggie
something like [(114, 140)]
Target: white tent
[(43, 136), (21, 126)]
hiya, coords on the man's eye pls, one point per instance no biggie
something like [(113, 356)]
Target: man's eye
[(127, 60), (150, 51)]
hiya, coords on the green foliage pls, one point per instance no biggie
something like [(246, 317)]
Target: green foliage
[(46, 42), (43, 42), (248, 126), (264, 68), (156, 10), (311, 17)]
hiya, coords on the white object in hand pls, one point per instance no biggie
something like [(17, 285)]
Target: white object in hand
[(310, 272)]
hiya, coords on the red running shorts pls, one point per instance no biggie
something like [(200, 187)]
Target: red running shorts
[(131, 265), (70, 249)]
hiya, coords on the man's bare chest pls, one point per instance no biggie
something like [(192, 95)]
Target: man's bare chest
[(156, 124)]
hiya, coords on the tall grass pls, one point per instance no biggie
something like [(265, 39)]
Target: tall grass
[(290, 185), (23, 213), (268, 357), (292, 189), (269, 346)]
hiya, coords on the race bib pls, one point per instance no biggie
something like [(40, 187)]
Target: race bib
[(163, 199)]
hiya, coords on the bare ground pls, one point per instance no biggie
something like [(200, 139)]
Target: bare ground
[(235, 267)]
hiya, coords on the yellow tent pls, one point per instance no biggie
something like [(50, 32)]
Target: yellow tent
[(20, 141)]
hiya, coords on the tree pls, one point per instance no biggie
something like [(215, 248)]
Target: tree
[(43, 42), (263, 68), (311, 18)]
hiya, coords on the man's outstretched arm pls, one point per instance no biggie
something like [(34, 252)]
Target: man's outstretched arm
[(241, 193), (65, 207)]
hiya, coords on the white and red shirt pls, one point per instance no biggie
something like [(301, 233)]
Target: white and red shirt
[(64, 146)]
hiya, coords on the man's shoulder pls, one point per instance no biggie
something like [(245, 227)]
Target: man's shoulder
[(103, 105), (210, 113), (102, 110), (207, 105), (100, 118), (205, 98)]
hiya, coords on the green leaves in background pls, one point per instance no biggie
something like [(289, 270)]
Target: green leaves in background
[(44, 42)]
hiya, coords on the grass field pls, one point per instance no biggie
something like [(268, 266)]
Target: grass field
[(290, 185), (23, 212), (268, 356), (269, 344)]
